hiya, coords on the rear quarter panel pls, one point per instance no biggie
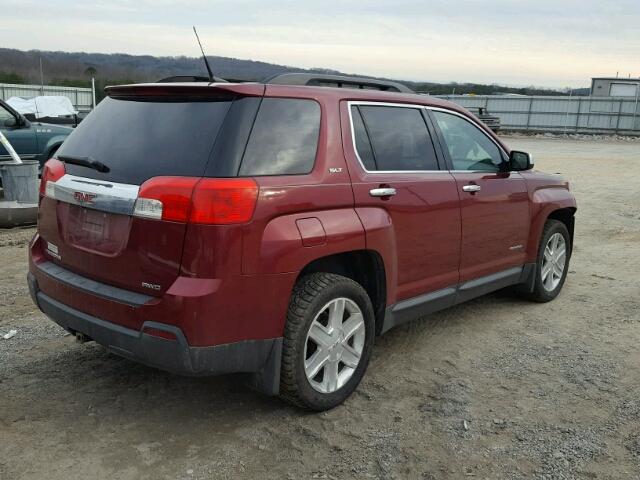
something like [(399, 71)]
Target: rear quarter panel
[(273, 241), (381, 238)]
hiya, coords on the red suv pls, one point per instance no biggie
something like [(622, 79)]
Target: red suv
[(276, 228)]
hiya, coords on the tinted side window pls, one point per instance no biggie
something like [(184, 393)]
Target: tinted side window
[(4, 116), (400, 138), (363, 145), (469, 147), (284, 138)]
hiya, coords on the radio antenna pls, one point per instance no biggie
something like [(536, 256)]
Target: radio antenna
[(204, 57)]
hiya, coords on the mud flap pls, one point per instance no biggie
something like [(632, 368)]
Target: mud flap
[(267, 379)]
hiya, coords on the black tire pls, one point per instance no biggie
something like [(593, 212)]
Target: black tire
[(540, 293), (310, 294)]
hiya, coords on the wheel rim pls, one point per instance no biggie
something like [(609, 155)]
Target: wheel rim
[(334, 345), (553, 262)]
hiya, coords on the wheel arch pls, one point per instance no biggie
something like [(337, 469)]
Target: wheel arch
[(549, 203), (53, 144), (567, 216), (365, 267), (51, 147)]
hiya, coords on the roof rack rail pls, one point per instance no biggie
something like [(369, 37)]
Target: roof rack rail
[(337, 81)]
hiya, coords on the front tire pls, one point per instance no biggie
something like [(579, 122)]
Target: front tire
[(552, 263), (328, 340)]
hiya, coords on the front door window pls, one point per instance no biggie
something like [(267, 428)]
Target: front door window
[(5, 117), (469, 148)]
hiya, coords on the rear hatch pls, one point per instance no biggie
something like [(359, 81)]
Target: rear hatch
[(91, 220)]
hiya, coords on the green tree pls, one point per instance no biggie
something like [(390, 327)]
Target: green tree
[(10, 77)]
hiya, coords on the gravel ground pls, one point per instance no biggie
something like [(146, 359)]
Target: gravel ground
[(497, 388)]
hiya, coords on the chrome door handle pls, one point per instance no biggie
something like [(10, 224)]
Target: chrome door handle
[(472, 188), (382, 192)]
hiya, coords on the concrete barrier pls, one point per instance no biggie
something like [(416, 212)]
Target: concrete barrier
[(19, 203), (20, 181)]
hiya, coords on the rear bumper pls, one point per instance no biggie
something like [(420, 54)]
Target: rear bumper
[(259, 357)]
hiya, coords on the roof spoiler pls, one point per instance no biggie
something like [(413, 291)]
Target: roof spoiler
[(185, 90), (189, 78), (337, 81)]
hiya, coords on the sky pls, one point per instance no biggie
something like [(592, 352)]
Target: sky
[(548, 43)]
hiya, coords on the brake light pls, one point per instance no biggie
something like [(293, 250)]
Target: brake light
[(52, 171), (165, 198), (195, 200), (224, 201)]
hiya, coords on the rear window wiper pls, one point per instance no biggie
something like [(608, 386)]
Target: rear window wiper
[(84, 162)]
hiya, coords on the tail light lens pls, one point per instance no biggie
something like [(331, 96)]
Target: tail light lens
[(52, 171), (205, 201), (224, 201), (166, 198)]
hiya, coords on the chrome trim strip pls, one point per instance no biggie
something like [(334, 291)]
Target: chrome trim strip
[(353, 136), (471, 121), (415, 106), (119, 198)]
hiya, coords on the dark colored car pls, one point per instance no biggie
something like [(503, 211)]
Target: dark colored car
[(32, 140), (66, 120), (276, 229), (491, 121)]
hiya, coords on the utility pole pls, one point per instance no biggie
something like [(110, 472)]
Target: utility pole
[(41, 78), (635, 109), (93, 90), (566, 118)]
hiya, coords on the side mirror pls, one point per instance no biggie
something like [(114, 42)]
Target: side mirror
[(11, 122), (520, 161)]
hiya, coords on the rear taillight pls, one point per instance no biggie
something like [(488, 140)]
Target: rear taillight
[(195, 200), (52, 171), (224, 201), (166, 198)]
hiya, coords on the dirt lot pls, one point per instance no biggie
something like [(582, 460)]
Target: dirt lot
[(545, 391)]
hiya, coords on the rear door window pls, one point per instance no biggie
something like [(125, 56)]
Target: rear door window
[(140, 139), (398, 136), (363, 144), (284, 139)]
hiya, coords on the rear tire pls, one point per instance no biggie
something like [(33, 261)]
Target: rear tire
[(552, 262), (328, 340)]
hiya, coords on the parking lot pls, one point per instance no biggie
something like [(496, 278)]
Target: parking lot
[(496, 388)]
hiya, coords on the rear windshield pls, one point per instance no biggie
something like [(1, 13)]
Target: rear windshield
[(138, 140)]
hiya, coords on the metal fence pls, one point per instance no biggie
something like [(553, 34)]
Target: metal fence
[(620, 115), (82, 98)]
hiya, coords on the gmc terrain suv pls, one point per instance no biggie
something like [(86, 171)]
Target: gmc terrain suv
[(276, 228)]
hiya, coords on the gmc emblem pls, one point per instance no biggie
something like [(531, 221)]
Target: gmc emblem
[(83, 197)]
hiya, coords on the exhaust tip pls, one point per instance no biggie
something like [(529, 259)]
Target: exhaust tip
[(82, 338)]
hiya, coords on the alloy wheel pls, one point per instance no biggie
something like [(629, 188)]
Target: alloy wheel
[(334, 345), (554, 261)]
